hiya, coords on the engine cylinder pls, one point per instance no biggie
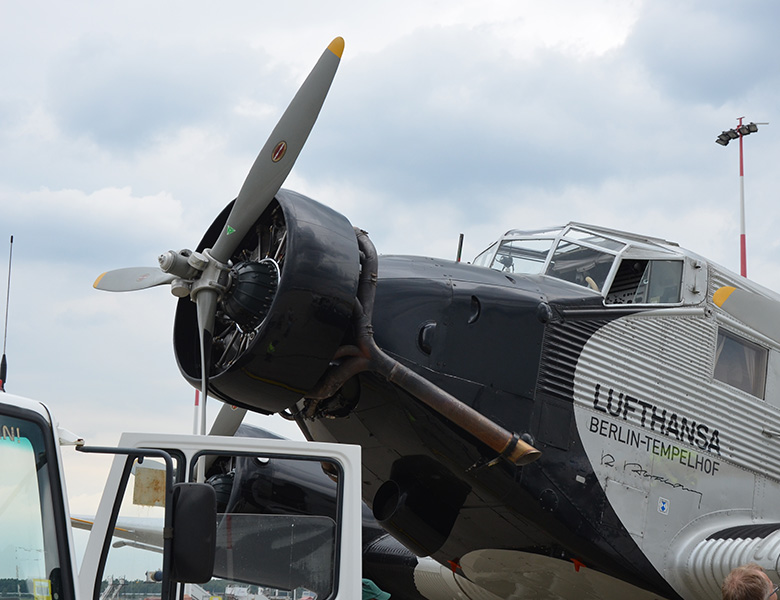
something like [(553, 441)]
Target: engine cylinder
[(252, 292)]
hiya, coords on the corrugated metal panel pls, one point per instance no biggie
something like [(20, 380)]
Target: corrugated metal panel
[(666, 361), (718, 279), (560, 353), (711, 560)]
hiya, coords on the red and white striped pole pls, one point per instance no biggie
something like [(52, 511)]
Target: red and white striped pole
[(723, 139), (742, 239)]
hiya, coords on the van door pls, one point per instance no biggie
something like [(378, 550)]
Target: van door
[(288, 518)]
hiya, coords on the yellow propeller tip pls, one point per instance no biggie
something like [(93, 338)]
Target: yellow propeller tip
[(97, 281), (337, 46), (722, 294)]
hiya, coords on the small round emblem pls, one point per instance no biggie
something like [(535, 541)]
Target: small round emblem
[(279, 151)]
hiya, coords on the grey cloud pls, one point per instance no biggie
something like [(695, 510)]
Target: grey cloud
[(123, 95), (467, 118), (707, 52)]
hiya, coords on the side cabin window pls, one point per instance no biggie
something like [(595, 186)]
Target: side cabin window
[(740, 363), (640, 281)]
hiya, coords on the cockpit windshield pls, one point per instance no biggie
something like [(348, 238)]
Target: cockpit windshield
[(522, 256), (579, 256)]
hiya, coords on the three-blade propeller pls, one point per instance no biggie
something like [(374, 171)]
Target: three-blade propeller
[(203, 276)]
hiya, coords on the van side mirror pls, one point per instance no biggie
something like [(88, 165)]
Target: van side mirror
[(194, 532)]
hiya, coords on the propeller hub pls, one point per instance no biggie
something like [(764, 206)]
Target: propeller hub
[(176, 263), (251, 293), (215, 276)]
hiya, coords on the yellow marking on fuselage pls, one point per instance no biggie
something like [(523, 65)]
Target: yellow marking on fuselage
[(722, 294)]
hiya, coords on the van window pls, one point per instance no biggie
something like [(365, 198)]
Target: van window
[(31, 551)]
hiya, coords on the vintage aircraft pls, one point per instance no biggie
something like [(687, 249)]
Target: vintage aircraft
[(579, 413)]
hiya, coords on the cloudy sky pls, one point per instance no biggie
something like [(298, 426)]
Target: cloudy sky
[(125, 127)]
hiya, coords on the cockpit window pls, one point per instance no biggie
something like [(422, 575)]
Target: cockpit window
[(483, 258), (522, 256), (578, 235), (640, 281), (580, 264)]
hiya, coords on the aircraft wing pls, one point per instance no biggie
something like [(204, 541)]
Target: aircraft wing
[(509, 573), (144, 533)]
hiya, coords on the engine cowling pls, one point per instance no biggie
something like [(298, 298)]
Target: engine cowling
[(267, 362)]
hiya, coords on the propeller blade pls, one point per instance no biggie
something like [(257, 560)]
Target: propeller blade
[(266, 176), (131, 279), (280, 152), (759, 312), (227, 423), (206, 301), (228, 420)]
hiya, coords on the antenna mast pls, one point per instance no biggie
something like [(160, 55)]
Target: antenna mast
[(4, 362)]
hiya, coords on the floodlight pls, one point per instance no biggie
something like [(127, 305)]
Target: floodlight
[(743, 130), (723, 139), (732, 133), (752, 127)]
